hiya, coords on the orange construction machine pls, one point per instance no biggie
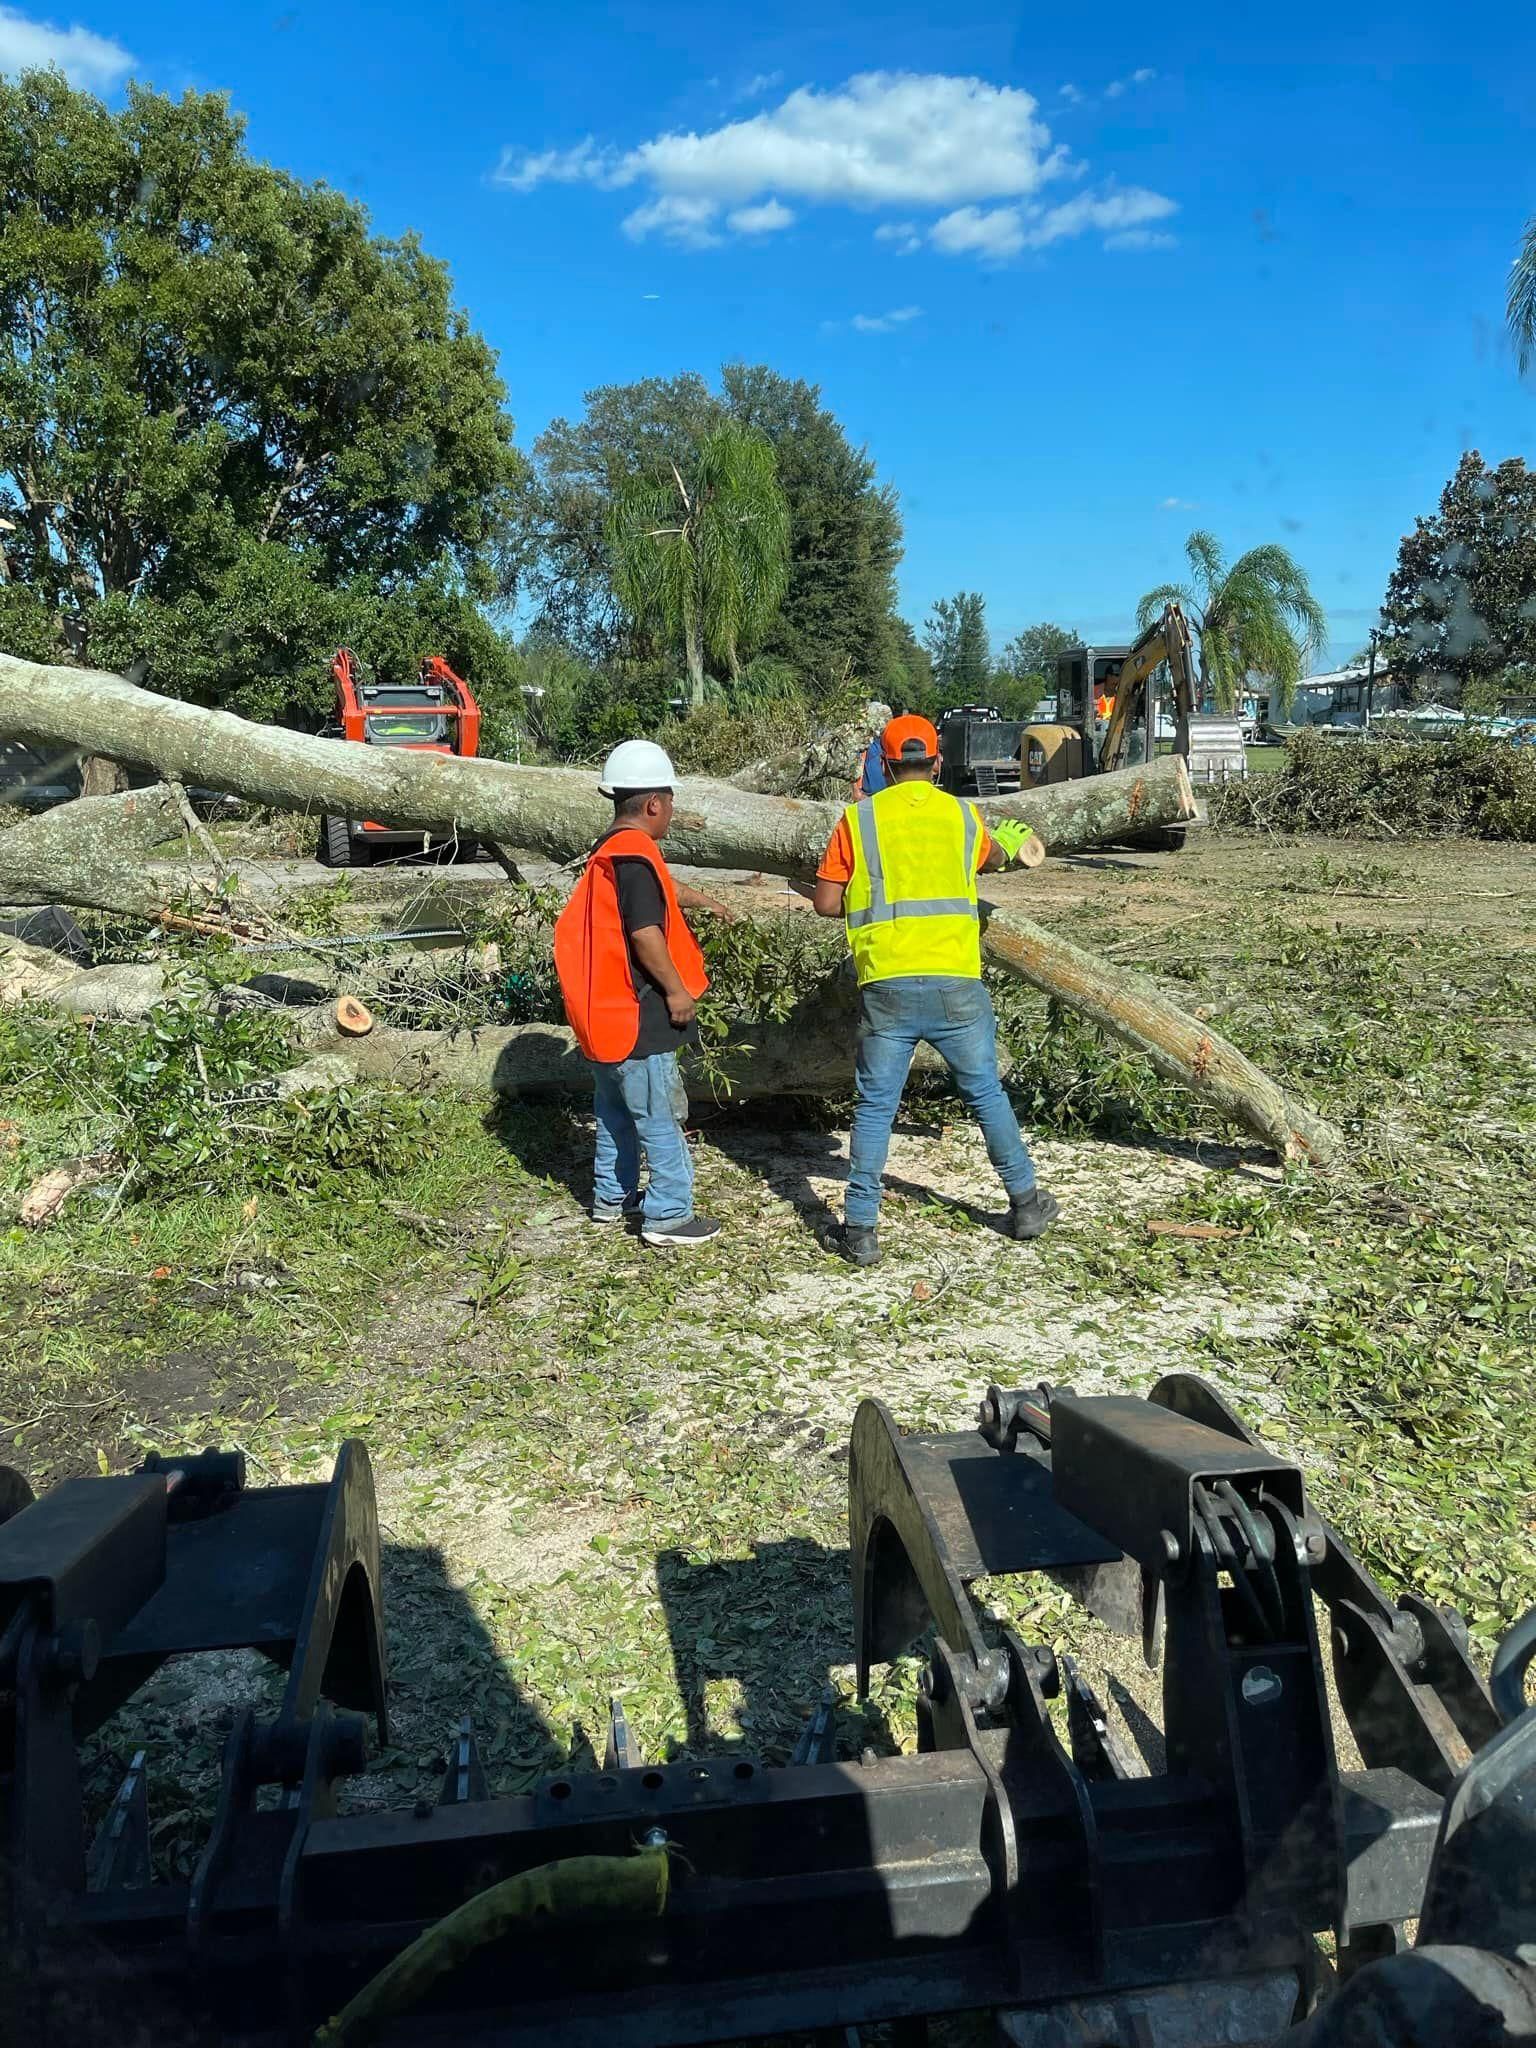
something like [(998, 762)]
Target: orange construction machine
[(437, 714)]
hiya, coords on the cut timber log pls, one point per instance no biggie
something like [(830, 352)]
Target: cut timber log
[(87, 853), (1129, 1007), (553, 811)]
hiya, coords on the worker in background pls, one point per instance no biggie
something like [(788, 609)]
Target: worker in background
[(901, 870), (872, 775), (631, 974)]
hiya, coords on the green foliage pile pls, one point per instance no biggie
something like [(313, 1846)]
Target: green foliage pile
[(186, 1101), (1478, 787)]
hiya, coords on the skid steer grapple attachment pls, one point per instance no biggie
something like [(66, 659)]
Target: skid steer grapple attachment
[(1022, 1860)]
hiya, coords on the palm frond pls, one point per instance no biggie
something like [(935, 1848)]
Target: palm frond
[(1156, 602), (1206, 561), (1521, 303)]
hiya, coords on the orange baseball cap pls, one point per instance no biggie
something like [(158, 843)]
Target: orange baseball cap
[(909, 739)]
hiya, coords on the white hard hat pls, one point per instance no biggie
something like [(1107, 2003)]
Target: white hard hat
[(636, 764)]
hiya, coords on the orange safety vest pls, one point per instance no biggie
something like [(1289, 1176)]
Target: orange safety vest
[(592, 957)]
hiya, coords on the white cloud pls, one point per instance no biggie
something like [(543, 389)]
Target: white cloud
[(688, 222), (1141, 238), (976, 155), (765, 81), (1177, 505), (882, 139), (1071, 94), (766, 219), (584, 163), (970, 231), (86, 59), (1117, 86), (905, 236), (884, 323), (1102, 213), (1003, 231)]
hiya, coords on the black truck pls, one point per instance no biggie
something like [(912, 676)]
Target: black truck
[(980, 751)]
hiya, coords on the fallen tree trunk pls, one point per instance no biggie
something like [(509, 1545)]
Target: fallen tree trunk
[(558, 812), (89, 853), (553, 811), (808, 1053), (826, 766), (1129, 1007), (32, 974)]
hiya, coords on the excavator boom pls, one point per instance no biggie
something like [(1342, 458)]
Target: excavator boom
[(1167, 639)]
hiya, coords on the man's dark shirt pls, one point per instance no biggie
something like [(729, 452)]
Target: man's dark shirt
[(641, 904)]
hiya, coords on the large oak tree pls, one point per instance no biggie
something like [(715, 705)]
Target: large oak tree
[(234, 424), (1460, 611)]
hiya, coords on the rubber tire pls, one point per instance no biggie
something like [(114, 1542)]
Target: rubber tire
[(335, 848)]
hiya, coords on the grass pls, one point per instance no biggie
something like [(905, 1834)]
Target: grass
[(605, 1472), (1265, 760)]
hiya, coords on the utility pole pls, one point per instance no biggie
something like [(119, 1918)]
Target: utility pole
[(1370, 680)]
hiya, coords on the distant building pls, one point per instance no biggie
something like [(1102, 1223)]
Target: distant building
[(1339, 696)]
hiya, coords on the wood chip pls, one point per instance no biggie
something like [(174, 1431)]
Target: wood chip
[(1164, 1226)]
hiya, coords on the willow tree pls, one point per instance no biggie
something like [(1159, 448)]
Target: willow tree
[(702, 557), (1258, 613), (1522, 298)]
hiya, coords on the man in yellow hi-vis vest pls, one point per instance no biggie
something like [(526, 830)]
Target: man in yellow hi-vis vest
[(901, 871)]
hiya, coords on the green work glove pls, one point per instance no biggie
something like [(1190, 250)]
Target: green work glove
[(1010, 835)]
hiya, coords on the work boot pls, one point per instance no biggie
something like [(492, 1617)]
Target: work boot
[(860, 1247), (1033, 1214)]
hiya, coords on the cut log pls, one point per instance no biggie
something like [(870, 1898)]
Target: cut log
[(31, 974), (553, 811), (90, 853), (1130, 1008)]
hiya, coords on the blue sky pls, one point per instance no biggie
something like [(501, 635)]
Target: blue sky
[(1079, 278)]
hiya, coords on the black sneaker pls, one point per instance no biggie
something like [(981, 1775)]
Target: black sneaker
[(606, 1212), (695, 1231), (1033, 1214), (860, 1247)]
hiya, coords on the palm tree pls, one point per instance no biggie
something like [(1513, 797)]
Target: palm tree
[(1258, 614), (705, 557), (1522, 299)]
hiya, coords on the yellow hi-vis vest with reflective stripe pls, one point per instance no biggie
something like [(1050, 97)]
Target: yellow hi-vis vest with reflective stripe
[(910, 905)]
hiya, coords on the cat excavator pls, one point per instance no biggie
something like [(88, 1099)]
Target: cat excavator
[(1109, 714)]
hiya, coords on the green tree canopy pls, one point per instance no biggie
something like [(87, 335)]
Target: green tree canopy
[(1026, 668), (1460, 608), (700, 549), (955, 634), (838, 604), (225, 408), (1258, 613)]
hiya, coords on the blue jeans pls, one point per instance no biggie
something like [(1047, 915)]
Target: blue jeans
[(954, 1014), (642, 1103)]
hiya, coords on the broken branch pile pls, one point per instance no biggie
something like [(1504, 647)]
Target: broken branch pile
[(557, 812)]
